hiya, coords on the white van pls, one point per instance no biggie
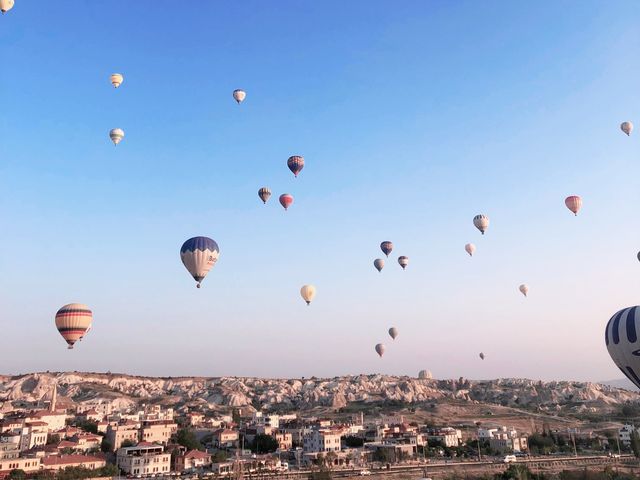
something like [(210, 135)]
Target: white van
[(510, 459)]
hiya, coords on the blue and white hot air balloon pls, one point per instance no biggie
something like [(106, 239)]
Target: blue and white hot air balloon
[(622, 338), (199, 255)]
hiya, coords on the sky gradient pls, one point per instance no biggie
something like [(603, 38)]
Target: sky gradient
[(412, 117)]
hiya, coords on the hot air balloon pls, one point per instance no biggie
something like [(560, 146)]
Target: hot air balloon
[(379, 264), (295, 164), (573, 203), (481, 222), (6, 5), (264, 193), (403, 261), (116, 135), (524, 289), (239, 95), (626, 127), (386, 247), (308, 292), (199, 255), (470, 248), (482, 355), (425, 375), (393, 332), (286, 200), (73, 321), (621, 338), (116, 80), (639, 256), (380, 348)]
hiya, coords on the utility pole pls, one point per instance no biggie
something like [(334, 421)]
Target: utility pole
[(479, 452), (573, 438)]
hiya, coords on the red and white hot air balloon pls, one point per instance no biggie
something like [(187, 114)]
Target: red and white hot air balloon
[(573, 203), (73, 321), (286, 200)]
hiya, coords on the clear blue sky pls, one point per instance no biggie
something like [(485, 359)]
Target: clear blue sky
[(412, 116)]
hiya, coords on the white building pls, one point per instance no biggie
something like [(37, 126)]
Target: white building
[(143, 459), (449, 437), (625, 434), (265, 420), (321, 441)]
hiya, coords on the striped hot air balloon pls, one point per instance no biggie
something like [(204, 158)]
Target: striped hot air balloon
[(116, 135), (403, 261), (286, 200), (295, 164), (264, 193), (573, 203), (481, 222), (116, 79), (6, 5), (621, 338), (73, 321), (199, 255)]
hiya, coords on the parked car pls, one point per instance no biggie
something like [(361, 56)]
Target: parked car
[(510, 459), (365, 473)]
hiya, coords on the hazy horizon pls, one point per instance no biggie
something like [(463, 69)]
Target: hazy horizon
[(412, 117)]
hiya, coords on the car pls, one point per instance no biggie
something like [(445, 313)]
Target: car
[(510, 459), (365, 473)]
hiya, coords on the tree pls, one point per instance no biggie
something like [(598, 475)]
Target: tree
[(127, 443), (635, 443), (219, 456), (17, 474), (235, 415), (353, 442), (187, 439), (53, 439), (88, 426), (106, 446), (264, 444)]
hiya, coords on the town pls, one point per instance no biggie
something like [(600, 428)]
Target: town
[(96, 439)]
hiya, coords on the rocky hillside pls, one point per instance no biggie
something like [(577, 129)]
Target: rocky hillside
[(124, 391)]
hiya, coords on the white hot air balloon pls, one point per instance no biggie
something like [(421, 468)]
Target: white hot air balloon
[(308, 292), (470, 249), (380, 348), (199, 255), (481, 222), (425, 375), (626, 127), (403, 260), (524, 289), (6, 5), (621, 338), (239, 95), (116, 80), (116, 135)]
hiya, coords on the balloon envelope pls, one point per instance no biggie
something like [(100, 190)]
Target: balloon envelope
[(308, 292), (379, 264), (295, 164), (199, 255), (482, 355), (264, 193), (239, 95), (116, 135), (481, 222), (626, 127), (116, 80), (393, 332), (621, 338), (286, 200), (573, 203), (386, 247), (380, 348), (6, 5), (403, 261), (524, 289), (73, 321), (470, 249)]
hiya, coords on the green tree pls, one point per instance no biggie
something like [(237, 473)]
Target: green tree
[(53, 439), (105, 445), (635, 443), (235, 415), (17, 474), (88, 426), (353, 442), (264, 444), (187, 439), (219, 456)]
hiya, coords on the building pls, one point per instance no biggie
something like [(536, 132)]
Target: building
[(625, 433), (448, 437), (33, 434), (192, 460), (395, 452), (261, 420), (195, 419), (518, 444), (143, 459), (321, 441), (224, 438), (157, 431), (60, 462), (285, 440), (27, 464), (121, 432)]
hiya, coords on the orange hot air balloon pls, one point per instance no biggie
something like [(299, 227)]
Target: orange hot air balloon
[(73, 321), (573, 203)]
